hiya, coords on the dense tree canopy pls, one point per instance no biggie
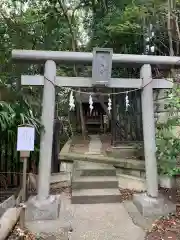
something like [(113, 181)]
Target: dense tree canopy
[(73, 26)]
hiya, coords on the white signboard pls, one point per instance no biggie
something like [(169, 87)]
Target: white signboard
[(25, 138)]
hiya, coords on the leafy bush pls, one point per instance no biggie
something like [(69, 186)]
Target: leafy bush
[(168, 143), (12, 115)]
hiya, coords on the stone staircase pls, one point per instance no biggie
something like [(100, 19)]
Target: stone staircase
[(94, 183)]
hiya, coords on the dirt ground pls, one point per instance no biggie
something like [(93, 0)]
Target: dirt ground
[(79, 145), (167, 228)]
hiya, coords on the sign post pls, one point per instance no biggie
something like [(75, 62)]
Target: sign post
[(25, 144), (105, 121)]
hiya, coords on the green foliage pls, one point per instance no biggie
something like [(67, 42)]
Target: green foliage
[(12, 115), (168, 136), (26, 25), (128, 21), (29, 25)]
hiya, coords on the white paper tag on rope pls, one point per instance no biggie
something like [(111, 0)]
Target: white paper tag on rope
[(25, 138)]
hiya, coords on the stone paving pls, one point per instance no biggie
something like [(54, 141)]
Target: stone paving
[(99, 221), (104, 222), (95, 144), (89, 222)]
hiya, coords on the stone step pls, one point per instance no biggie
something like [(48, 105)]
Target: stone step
[(131, 182), (94, 169), (125, 151), (120, 162), (96, 172), (95, 182), (131, 172), (93, 196)]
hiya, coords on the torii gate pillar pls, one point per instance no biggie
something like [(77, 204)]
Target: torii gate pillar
[(149, 131), (47, 121), (45, 206), (150, 203)]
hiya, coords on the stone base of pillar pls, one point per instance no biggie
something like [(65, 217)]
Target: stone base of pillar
[(47, 209), (149, 206)]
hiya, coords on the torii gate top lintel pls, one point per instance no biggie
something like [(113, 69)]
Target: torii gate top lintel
[(87, 57), (101, 60)]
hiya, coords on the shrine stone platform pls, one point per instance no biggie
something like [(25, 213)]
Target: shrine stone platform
[(97, 148)]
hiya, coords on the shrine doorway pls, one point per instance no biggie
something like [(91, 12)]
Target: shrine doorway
[(97, 121)]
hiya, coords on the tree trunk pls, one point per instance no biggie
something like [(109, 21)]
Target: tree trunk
[(74, 47), (171, 50)]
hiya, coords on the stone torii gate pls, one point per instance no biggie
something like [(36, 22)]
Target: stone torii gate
[(43, 202)]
